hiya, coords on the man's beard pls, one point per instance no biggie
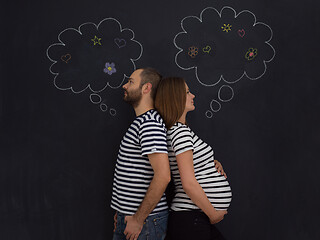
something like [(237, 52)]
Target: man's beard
[(133, 98)]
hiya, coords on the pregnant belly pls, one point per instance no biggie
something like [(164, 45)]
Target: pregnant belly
[(218, 191)]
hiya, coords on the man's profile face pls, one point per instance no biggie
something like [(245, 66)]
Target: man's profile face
[(132, 89)]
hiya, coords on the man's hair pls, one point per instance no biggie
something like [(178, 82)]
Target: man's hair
[(170, 99), (150, 75)]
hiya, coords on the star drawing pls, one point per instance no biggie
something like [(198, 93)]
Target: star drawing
[(96, 40), (226, 27)]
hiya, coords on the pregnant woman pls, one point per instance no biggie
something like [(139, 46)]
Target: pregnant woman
[(201, 194)]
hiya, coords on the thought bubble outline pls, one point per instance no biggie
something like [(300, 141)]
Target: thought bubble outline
[(219, 93), (103, 109), (78, 30), (95, 95), (221, 77)]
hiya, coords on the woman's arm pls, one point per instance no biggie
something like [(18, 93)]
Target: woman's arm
[(193, 189)]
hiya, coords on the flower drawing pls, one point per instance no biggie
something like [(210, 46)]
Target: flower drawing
[(251, 53), (110, 68)]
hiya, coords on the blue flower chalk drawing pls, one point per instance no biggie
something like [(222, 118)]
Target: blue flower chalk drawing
[(110, 68)]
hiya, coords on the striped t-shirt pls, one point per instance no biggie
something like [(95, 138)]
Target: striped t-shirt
[(181, 139), (133, 172)]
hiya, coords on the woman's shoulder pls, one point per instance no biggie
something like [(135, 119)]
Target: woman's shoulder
[(177, 128)]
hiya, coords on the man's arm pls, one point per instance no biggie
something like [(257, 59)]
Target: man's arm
[(161, 178)]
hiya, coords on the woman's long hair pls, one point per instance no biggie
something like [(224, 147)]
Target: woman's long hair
[(170, 99)]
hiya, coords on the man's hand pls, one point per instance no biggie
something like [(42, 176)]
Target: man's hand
[(218, 216), (219, 168), (133, 227), (161, 178), (115, 222)]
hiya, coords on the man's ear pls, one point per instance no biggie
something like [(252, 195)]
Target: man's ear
[(146, 88)]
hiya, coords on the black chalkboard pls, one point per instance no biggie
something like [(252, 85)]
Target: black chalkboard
[(251, 64)]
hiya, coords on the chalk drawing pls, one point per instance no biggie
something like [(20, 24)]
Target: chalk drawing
[(241, 32), (206, 49), (251, 53), (95, 98), (120, 42), (96, 40), (235, 52), (193, 51), (66, 57), (185, 35), (225, 93), (226, 27), (112, 112), (110, 68), (215, 106), (83, 74), (103, 107)]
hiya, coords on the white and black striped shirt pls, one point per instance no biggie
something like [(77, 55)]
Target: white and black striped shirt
[(181, 139), (133, 172)]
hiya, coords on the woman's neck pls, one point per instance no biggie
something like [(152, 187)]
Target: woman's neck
[(182, 119)]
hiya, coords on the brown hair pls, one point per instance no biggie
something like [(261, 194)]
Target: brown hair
[(150, 75), (171, 99)]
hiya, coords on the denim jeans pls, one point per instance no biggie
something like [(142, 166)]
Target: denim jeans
[(154, 227)]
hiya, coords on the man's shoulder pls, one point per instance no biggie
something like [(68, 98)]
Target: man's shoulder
[(151, 117)]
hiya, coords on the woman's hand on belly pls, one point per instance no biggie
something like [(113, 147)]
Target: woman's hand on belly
[(218, 216), (219, 168)]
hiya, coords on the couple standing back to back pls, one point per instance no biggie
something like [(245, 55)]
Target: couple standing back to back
[(142, 172)]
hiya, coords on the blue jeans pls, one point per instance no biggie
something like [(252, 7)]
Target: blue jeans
[(154, 227)]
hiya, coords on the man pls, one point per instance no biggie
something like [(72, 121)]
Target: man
[(142, 170)]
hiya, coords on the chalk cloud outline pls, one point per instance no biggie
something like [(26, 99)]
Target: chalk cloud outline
[(221, 77), (79, 31)]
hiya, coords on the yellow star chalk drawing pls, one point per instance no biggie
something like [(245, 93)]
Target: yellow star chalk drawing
[(96, 40), (226, 27)]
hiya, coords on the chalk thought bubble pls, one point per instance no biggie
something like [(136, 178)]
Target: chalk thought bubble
[(93, 56), (224, 46)]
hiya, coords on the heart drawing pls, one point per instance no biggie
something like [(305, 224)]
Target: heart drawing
[(206, 49), (66, 57), (120, 42), (241, 33)]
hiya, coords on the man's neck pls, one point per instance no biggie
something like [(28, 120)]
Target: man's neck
[(143, 107)]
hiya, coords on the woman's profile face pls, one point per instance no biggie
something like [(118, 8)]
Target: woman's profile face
[(189, 100)]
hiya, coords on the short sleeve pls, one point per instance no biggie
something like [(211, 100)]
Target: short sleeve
[(153, 138), (181, 140)]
